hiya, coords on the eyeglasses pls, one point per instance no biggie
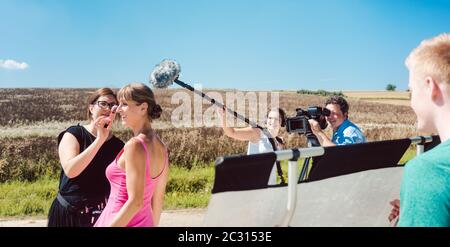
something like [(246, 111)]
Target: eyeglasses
[(105, 105)]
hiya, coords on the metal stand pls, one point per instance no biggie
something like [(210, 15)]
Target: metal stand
[(292, 193), (312, 142), (292, 188), (420, 149), (420, 142)]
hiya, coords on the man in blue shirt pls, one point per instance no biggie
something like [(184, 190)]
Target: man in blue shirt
[(344, 131)]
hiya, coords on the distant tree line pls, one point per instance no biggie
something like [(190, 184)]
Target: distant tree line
[(321, 92), (391, 87)]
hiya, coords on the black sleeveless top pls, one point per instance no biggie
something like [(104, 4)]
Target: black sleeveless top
[(91, 184)]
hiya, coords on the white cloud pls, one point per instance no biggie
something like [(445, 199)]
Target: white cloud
[(11, 64)]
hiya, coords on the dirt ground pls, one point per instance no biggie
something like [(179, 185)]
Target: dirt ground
[(182, 218)]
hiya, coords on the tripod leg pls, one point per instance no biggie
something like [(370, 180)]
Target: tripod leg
[(304, 171)]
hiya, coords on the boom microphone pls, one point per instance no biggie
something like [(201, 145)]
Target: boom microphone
[(167, 72)]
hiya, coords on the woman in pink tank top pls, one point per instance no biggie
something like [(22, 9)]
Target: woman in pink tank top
[(139, 174)]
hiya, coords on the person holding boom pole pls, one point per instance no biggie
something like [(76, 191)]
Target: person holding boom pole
[(261, 139)]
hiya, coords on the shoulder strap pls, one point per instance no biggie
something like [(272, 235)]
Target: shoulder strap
[(147, 155), (166, 150), (166, 162), (279, 171)]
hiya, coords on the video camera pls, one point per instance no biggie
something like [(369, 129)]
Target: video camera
[(299, 123)]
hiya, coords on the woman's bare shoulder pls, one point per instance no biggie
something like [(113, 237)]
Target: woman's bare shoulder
[(133, 147)]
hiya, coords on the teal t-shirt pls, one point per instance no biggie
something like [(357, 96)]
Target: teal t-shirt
[(425, 189)]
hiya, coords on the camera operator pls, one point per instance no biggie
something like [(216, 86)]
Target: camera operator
[(344, 131)]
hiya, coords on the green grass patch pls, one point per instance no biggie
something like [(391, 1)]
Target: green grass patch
[(409, 154), (20, 198), (189, 188), (185, 189), (178, 200), (300, 164)]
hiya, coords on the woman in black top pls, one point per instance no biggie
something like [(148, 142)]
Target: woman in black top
[(84, 152)]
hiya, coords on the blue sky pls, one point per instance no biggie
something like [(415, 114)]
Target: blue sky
[(243, 44)]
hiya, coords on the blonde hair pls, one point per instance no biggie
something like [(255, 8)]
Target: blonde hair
[(432, 58), (141, 93)]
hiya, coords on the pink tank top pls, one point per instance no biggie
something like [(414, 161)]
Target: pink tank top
[(119, 195)]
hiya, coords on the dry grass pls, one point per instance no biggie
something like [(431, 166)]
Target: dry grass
[(53, 128), (32, 118), (25, 106), (46, 112), (378, 94), (29, 106), (390, 101), (385, 97)]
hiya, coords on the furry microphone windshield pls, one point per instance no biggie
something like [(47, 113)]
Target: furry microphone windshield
[(165, 73)]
